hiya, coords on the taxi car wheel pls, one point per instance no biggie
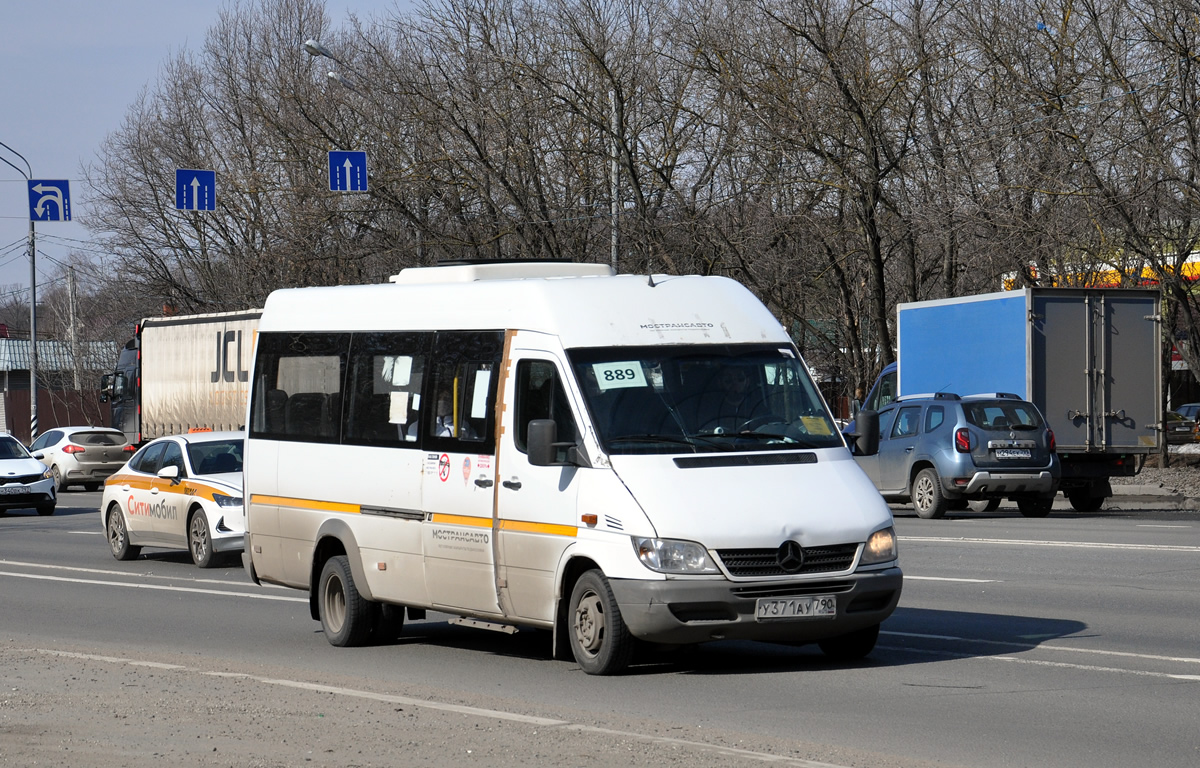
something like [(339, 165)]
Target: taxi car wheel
[(199, 542), (118, 536), (346, 616), (851, 646), (599, 638), (927, 497)]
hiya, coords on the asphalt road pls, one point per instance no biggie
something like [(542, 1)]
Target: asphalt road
[(1066, 641)]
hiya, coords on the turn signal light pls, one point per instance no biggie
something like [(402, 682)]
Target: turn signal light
[(962, 440)]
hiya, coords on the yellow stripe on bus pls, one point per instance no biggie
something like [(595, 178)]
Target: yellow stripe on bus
[(471, 522), (325, 506), (548, 528)]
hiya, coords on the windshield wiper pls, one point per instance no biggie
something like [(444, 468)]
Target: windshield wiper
[(652, 439)]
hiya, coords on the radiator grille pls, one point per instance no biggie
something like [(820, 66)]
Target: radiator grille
[(759, 563)]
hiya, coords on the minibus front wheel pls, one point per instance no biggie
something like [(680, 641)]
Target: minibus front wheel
[(599, 638), (346, 616)]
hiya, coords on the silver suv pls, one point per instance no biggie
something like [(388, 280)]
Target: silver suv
[(944, 452)]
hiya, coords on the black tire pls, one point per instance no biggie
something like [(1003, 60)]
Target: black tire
[(600, 641), (58, 483), (1083, 501), (200, 540), (851, 646), (927, 497), (984, 505), (346, 616), (92, 486), (957, 505), (118, 535), (1035, 507), (45, 510)]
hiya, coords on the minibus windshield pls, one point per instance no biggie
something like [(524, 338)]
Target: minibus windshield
[(702, 399)]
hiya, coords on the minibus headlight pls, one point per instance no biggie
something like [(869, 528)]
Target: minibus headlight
[(227, 501), (673, 556), (881, 547)]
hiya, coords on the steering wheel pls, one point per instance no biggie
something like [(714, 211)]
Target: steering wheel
[(761, 421)]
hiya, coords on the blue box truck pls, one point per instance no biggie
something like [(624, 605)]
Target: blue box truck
[(1090, 359)]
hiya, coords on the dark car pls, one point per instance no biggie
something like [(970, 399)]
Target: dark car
[(944, 452), (1180, 429)]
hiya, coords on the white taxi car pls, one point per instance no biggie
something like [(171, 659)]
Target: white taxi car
[(183, 491)]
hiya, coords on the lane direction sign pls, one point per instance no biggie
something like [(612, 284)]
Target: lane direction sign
[(347, 171), (195, 190), (49, 200)]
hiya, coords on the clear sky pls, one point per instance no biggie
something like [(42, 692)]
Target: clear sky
[(69, 69)]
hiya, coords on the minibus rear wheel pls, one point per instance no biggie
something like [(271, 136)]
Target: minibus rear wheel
[(346, 616), (599, 638)]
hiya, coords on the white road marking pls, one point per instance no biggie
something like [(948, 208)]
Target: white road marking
[(1045, 647), (1066, 544), (160, 587), (908, 577), (104, 572), (1155, 525), (494, 714), (1040, 663)]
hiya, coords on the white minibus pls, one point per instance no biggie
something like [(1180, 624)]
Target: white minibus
[(549, 445)]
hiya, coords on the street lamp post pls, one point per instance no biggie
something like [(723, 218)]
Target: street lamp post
[(33, 410)]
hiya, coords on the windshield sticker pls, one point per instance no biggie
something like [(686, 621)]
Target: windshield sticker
[(619, 375), (816, 425)]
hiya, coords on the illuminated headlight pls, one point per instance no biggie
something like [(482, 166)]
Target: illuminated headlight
[(49, 473), (227, 501), (673, 556), (881, 547)]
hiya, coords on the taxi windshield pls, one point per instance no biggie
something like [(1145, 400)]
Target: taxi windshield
[(702, 399)]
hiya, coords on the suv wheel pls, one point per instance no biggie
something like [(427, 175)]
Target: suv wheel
[(1035, 507), (927, 497)]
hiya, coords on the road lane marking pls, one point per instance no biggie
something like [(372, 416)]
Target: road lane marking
[(1044, 646), (1155, 525), (908, 577), (160, 587), (1067, 544), (104, 572), (495, 714), (1041, 663)]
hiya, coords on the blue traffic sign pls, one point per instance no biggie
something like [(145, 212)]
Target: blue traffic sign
[(49, 200), (195, 190), (347, 171)]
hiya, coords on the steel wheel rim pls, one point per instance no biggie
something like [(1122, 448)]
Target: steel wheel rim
[(335, 603), (199, 538), (923, 493), (589, 623)]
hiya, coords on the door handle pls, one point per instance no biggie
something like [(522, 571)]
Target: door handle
[(154, 490), (483, 482), (514, 485), (909, 449)]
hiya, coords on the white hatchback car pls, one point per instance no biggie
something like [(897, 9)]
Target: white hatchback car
[(84, 456), (183, 491), (24, 481)]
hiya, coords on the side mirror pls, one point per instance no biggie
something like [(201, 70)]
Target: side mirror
[(866, 433), (543, 447), (38, 455), (169, 473)]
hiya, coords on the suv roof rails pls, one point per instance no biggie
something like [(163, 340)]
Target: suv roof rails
[(929, 396), (996, 396)]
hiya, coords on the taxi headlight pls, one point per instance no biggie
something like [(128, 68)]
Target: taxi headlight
[(881, 547), (673, 556), (227, 501)]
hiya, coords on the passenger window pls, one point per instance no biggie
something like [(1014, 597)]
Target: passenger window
[(934, 417), (298, 386), (885, 422), (908, 421), (464, 391), (384, 388), (540, 395), (149, 459), (173, 457)]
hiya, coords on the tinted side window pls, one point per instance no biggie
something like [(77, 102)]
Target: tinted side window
[(383, 388), (149, 459), (934, 417), (908, 421), (540, 395), (50, 438), (462, 413), (885, 422), (173, 457), (298, 386)]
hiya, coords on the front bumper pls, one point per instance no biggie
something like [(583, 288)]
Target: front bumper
[(27, 496), (694, 611)]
